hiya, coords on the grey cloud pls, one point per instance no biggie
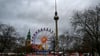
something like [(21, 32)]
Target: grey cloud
[(39, 13)]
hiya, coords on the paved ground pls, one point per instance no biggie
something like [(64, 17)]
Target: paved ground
[(41, 55)]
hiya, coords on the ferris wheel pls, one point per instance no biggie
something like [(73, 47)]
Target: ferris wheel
[(43, 36)]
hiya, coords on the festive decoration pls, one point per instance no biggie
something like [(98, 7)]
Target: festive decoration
[(44, 39)]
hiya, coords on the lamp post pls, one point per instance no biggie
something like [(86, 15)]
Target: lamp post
[(56, 26)]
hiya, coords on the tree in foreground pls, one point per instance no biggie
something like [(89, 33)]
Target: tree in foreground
[(88, 24), (9, 38)]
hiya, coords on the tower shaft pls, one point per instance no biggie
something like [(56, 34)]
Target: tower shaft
[(56, 39)]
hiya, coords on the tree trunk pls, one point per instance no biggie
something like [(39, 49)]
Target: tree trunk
[(98, 50), (97, 46), (92, 52)]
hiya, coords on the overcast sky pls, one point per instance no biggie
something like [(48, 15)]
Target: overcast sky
[(36, 14)]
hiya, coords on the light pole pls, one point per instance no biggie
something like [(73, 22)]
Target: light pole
[(56, 26)]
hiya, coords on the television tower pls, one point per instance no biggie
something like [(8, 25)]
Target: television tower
[(56, 17)]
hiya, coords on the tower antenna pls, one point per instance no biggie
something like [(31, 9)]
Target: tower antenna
[(55, 8)]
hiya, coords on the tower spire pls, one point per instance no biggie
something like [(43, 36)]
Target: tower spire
[(28, 39), (28, 35), (55, 8), (56, 13)]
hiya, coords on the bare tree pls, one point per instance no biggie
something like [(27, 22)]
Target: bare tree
[(88, 23), (69, 42), (8, 38)]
